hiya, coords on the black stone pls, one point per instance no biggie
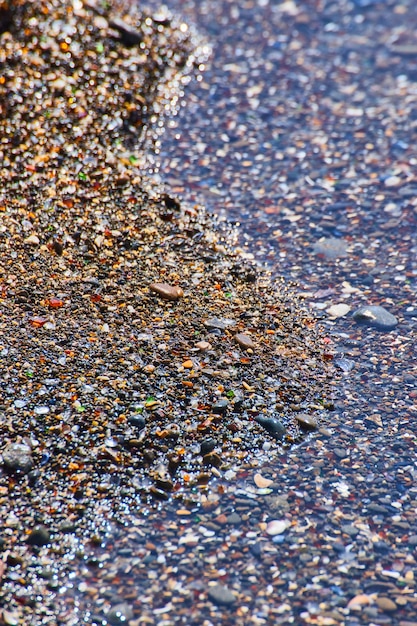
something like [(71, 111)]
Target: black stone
[(33, 477), (138, 421), (39, 536), (256, 549), (207, 445), (220, 406), (272, 425)]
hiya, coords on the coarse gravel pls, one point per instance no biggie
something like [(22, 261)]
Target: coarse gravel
[(146, 362), (301, 128)]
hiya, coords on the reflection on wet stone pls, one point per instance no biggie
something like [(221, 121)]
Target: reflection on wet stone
[(377, 316)]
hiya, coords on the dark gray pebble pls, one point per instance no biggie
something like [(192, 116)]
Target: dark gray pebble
[(220, 406), (215, 331), (341, 453), (219, 594), (412, 540), (234, 518), (382, 547), (207, 445), (272, 425), (119, 615), (242, 505), (138, 421), (338, 547), (39, 536), (33, 477), (378, 508), (17, 457), (350, 530), (376, 316), (377, 586), (256, 549)]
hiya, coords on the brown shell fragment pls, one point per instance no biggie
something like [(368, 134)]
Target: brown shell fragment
[(168, 292), (244, 341)]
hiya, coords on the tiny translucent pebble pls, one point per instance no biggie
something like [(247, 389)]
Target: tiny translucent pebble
[(41, 410)]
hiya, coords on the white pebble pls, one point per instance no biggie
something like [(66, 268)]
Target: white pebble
[(276, 527), (338, 310)]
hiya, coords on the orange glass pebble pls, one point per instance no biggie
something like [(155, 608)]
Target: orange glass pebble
[(37, 322), (55, 303)]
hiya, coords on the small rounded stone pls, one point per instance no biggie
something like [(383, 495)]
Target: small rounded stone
[(39, 536), (203, 345), (276, 527), (306, 421), (168, 292), (207, 445), (244, 341), (221, 595), (119, 615), (272, 425), (220, 406), (338, 310), (18, 457), (376, 316), (386, 605), (138, 421)]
